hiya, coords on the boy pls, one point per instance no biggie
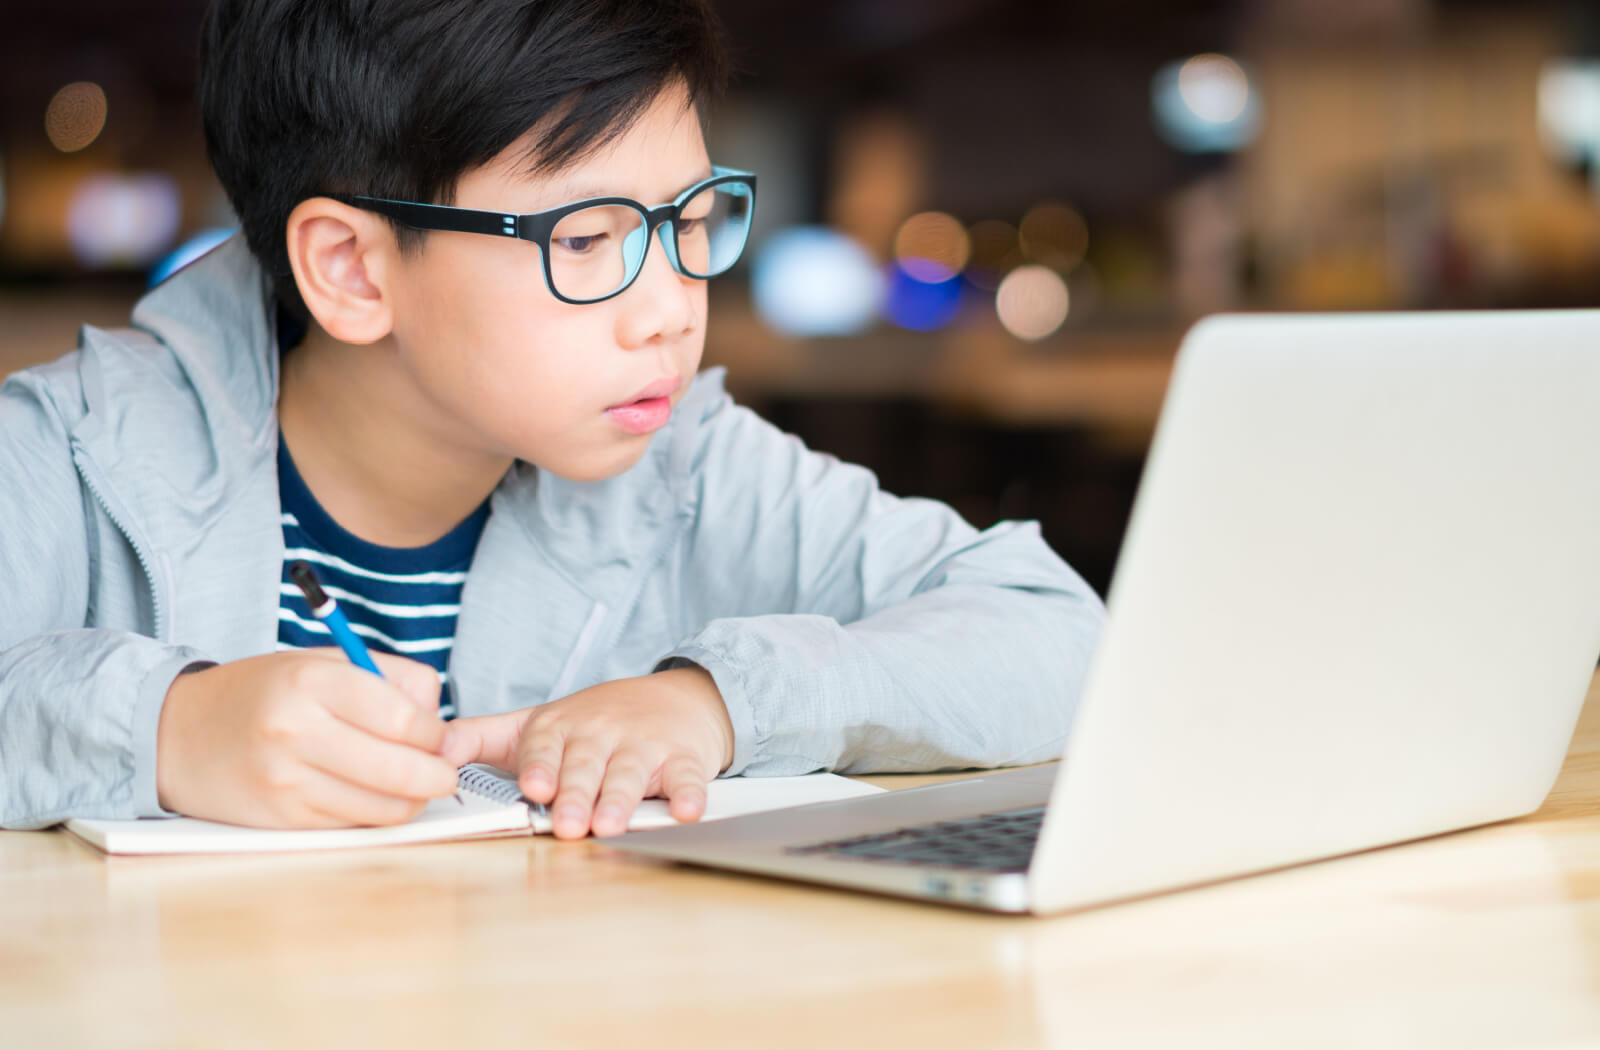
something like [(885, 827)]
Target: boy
[(474, 408)]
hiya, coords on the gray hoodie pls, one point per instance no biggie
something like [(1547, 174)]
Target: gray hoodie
[(846, 628)]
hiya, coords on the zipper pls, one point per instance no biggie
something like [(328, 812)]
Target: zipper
[(140, 551), (657, 556), (580, 652)]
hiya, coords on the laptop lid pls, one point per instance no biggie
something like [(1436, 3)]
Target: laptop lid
[(1358, 601)]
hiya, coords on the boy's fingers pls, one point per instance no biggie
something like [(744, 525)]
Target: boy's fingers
[(335, 802), (419, 682), (540, 754), (683, 782), (377, 765), (409, 675), (485, 738), (626, 777), (583, 765), (375, 706)]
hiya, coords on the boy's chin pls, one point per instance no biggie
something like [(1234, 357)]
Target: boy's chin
[(601, 467)]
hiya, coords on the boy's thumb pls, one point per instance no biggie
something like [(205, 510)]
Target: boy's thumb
[(461, 744), (484, 738)]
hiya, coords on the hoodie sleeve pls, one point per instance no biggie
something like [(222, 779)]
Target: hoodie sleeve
[(851, 630), (78, 707)]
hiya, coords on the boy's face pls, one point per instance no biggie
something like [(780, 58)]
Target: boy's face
[(504, 367)]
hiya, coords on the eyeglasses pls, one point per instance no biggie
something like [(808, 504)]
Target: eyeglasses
[(593, 249)]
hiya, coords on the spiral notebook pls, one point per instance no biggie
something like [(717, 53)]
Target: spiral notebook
[(490, 806)]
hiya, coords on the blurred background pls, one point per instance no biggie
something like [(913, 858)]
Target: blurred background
[(984, 225)]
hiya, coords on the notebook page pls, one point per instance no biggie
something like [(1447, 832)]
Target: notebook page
[(485, 809), (441, 819)]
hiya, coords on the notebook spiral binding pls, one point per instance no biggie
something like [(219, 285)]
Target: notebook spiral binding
[(490, 783)]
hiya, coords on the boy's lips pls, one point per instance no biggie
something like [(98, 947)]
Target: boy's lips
[(650, 408), (660, 388)]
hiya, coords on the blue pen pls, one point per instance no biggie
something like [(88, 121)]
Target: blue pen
[(327, 610), (324, 608)]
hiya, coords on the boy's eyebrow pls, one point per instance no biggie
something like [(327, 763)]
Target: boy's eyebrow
[(578, 191)]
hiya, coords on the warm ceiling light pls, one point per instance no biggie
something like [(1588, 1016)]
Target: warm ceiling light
[(75, 116)]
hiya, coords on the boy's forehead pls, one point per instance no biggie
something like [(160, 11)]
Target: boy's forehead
[(661, 154), (649, 187)]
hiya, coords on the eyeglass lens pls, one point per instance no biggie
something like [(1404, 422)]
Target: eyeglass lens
[(595, 251)]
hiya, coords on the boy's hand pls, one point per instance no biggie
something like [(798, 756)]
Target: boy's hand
[(598, 752), (303, 739)]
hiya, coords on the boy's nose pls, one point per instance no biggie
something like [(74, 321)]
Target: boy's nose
[(660, 303)]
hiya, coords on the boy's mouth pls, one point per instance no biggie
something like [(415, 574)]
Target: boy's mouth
[(660, 388), (649, 409)]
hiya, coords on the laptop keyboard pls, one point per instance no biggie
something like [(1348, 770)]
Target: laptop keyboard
[(991, 842)]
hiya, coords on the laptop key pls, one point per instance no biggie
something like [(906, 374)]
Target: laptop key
[(991, 842)]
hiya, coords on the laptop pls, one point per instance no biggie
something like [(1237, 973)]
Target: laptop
[(1357, 603)]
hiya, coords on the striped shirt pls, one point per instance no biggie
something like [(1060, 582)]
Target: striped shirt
[(398, 599)]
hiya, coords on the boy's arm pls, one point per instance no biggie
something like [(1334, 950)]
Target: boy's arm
[(287, 739), (77, 706), (79, 711), (849, 629)]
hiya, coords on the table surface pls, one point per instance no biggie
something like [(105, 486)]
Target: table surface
[(1484, 938)]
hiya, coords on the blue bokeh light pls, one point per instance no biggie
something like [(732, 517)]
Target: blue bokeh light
[(813, 281), (1206, 104), (922, 306)]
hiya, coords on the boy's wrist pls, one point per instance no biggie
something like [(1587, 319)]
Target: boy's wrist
[(697, 682), (169, 731), (150, 793)]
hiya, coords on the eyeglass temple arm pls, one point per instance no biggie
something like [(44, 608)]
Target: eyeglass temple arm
[(436, 216)]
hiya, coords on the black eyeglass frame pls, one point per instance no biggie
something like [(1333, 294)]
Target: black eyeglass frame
[(538, 226)]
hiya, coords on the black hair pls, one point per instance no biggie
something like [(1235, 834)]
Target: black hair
[(400, 98)]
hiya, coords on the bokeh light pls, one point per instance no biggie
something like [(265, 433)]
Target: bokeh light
[(75, 116), (1055, 235), (922, 306), (995, 251), (1214, 87), (810, 280), (932, 246), (123, 220), (1569, 110), (1032, 302), (1206, 103)]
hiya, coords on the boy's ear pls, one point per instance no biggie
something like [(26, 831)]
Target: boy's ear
[(341, 258)]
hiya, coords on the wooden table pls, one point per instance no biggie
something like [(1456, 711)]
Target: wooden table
[(1487, 938)]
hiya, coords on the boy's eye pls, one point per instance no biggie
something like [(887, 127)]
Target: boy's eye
[(690, 226), (579, 244)]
